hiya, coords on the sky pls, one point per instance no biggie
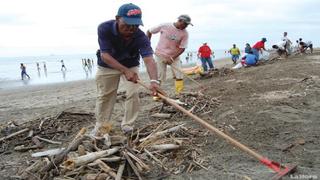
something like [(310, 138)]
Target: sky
[(46, 27)]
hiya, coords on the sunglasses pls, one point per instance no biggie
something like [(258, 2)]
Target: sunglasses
[(128, 26)]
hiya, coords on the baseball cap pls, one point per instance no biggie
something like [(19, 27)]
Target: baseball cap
[(185, 18), (131, 14)]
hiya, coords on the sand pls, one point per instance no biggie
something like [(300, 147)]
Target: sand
[(270, 107)]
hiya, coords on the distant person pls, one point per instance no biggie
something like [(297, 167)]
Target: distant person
[(249, 60), (23, 71), (247, 49), (84, 64), (89, 63), (38, 69), (288, 42), (306, 45), (187, 58), (235, 53), (296, 47), (281, 48), (204, 53), (45, 68), (63, 67), (172, 43), (258, 47)]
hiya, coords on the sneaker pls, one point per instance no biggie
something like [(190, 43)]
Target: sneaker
[(126, 129)]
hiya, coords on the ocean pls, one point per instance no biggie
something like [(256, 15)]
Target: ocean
[(10, 73)]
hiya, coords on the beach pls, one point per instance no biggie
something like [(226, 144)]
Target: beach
[(269, 108)]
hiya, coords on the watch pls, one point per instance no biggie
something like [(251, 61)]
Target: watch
[(155, 81)]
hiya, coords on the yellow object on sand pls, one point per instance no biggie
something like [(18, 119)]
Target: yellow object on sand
[(179, 86), (192, 70)]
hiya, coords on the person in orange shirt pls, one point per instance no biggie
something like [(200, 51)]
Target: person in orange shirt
[(204, 53)]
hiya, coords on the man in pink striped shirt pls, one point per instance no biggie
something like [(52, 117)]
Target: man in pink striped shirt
[(172, 43)]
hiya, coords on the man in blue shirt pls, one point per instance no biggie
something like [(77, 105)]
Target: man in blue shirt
[(121, 45)]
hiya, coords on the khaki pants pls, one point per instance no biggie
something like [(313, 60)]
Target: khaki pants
[(162, 68), (107, 81)]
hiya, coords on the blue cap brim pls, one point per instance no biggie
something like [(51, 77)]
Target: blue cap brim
[(132, 21)]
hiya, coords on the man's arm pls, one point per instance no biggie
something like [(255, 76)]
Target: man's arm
[(149, 34), (180, 51), (113, 63), (151, 67)]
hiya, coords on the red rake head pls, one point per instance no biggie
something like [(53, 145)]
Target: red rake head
[(278, 168)]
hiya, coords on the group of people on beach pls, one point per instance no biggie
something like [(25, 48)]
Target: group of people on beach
[(283, 48), (122, 43), (24, 73)]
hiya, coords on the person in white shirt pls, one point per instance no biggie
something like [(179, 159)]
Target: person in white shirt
[(288, 42), (280, 47), (305, 45)]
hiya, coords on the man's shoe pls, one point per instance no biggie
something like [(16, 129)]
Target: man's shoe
[(126, 129)]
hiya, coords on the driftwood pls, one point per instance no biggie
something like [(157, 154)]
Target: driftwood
[(164, 147), (50, 152), (106, 168), (14, 134), (155, 159), (72, 146), (100, 176), (34, 168), (133, 166), (23, 148), (161, 115), (48, 140), (111, 159), (139, 161), (161, 133), (82, 160), (120, 171)]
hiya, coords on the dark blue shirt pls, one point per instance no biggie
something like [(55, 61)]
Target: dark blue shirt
[(127, 54)]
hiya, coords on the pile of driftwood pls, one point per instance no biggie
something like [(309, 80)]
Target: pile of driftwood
[(153, 151), (40, 132), (195, 102)]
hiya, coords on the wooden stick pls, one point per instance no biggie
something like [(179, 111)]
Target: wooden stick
[(59, 158), (165, 147), (48, 140), (161, 115), (49, 152), (111, 159), (139, 161), (210, 127), (14, 134), (161, 133), (120, 171), (71, 163), (155, 159), (106, 168), (133, 166)]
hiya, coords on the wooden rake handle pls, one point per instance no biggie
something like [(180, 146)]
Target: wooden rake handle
[(208, 126)]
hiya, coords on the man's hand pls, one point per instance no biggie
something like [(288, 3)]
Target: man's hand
[(168, 61), (154, 87), (131, 76)]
